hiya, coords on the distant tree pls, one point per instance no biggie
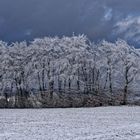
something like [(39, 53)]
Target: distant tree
[(129, 63)]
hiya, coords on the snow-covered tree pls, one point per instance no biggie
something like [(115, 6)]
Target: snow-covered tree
[(50, 66)]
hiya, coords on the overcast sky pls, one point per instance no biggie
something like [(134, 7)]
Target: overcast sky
[(98, 19)]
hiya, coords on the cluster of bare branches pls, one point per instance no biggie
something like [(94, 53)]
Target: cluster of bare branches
[(68, 65)]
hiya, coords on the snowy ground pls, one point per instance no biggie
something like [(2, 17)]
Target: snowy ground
[(105, 123)]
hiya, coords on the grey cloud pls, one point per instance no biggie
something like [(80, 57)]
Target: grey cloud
[(27, 19), (129, 28)]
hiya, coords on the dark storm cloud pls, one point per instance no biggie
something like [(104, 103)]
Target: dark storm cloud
[(98, 19)]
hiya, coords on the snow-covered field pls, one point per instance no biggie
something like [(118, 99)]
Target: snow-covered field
[(105, 123)]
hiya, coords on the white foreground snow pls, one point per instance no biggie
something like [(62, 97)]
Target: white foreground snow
[(105, 123)]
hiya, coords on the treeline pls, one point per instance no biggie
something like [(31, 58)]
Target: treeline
[(67, 72)]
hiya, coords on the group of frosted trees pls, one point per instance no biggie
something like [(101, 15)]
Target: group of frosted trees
[(68, 65)]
